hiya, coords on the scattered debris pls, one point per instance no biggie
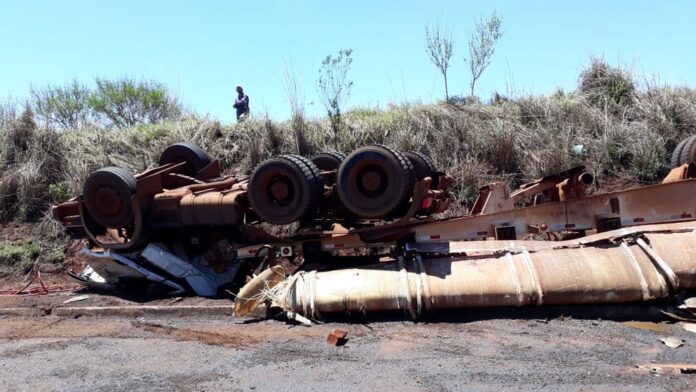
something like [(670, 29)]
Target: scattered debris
[(299, 318), (672, 342), (109, 270), (673, 368), (175, 300), (691, 327), (203, 284), (40, 289), (256, 291), (337, 337), (679, 314), (115, 269), (75, 299), (689, 303)]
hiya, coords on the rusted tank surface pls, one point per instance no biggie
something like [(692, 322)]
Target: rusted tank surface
[(639, 267)]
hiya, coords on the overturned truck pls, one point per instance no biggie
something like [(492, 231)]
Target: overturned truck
[(360, 233)]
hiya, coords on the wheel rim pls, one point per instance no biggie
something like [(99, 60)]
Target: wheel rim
[(371, 180), (285, 189), (107, 195), (108, 200), (281, 190)]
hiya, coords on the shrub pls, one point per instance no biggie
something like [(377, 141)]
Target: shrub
[(66, 107), (606, 86), (23, 253), (126, 102), (33, 160)]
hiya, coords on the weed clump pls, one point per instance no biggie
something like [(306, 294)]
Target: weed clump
[(606, 86)]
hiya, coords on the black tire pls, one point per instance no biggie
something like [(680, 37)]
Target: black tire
[(328, 160), (194, 156), (375, 180), (423, 167), (676, 154), (107, 195), (688, 152), (285, 189)]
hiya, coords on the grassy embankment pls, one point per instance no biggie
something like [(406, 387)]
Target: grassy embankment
[(627, 133)]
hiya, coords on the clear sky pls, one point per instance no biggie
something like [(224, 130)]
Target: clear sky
[(203, 49)]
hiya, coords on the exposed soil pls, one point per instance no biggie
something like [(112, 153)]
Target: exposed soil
[(18, 234)]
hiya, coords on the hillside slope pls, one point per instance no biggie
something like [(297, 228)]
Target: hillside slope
[(621, 133)]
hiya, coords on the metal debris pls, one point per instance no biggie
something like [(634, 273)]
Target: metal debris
[(201, 280), (691, 327), (299, 318), (673, 368), (76, 299), (672, 342), (40, 288), (115, 269), (255, 292), (679, 314), (689, 303), (337, 337)]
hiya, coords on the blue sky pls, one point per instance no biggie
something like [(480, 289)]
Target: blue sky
[(202, 49)]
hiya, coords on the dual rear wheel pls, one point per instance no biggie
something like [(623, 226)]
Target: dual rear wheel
[(285, 189), (372, 182)]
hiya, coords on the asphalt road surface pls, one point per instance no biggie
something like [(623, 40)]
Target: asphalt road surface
[(511, 349)]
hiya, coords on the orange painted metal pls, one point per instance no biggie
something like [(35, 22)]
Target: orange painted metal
[(651, 204), (212, 208)]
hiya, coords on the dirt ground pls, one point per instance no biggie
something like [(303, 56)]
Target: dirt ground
[(555, 348)]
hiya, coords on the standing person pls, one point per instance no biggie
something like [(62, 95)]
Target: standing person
[(241, 104)]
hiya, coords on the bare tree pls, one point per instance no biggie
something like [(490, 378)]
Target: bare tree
[(334, 87), (438, 45), (482, 46)]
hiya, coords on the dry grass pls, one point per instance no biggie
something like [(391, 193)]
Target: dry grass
[(515, 140), (625, 133)]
